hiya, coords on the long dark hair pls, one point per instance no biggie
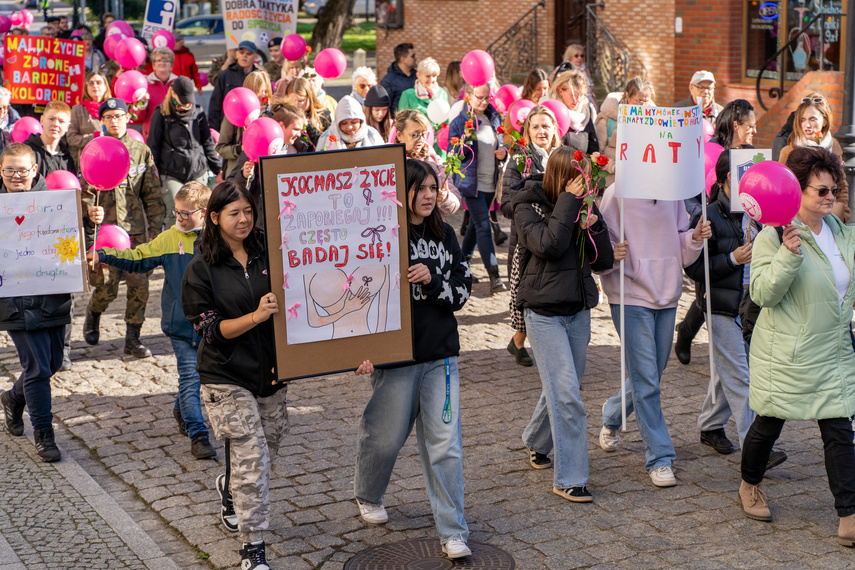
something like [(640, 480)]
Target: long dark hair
[(722, 169), (417, 171), (734, 112), (212, 245)]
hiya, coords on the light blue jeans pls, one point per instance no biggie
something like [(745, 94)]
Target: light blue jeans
[(187, 401), (559, 420), (649, 334), (403, 397), (731, 380)]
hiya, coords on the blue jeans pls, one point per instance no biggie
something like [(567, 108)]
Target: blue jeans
[(649, 334), (40, 354), (401, 398), (187, 400), (479, 228), (560, 346)]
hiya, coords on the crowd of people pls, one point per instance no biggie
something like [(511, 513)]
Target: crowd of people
[(793, 287)]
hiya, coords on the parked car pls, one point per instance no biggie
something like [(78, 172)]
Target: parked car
[(361, 9), (205, 36)]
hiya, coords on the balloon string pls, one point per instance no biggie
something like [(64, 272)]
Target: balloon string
[(95, 237), (587, 193)]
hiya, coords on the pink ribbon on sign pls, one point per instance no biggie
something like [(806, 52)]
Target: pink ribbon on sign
[(397, 284), (286, 209), (373, 233), (264, 272), (180, 248), (395, 230), (346, 286), (292, 311), (392, 195), (285, 281), (284, 241)]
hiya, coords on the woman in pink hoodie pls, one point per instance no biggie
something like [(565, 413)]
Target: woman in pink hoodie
[(659, 244)]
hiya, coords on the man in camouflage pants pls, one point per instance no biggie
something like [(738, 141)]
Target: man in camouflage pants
[(136, 205)]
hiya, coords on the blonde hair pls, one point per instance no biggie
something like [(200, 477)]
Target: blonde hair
[(572, 50), (194, 193), (574, 78), (428, 66), (286, 113), (107, 93), (257, 80), (541, 110), (165, 52), (797, 136), (635, 86), (407, 115), (59, 107), (300, 86)]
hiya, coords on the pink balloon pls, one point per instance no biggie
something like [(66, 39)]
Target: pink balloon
[(112, 42), (5, 23), (62, 180), (562, 115), (506, 96), (105, 162), (262, 137), (131, 86), (203, 78), (27, 16), (163, 38), (477, 67), (330, 63), (518, 112), (770, 193), (241, 106), (215, 135), (442, 137), (136, 135), (710, 180), (130, 53), (293, 47), (709, 130), (120, 27), (24, 127), (16, 19), (113, 237), (711, 152)]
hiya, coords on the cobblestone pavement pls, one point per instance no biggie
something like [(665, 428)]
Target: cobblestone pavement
[(120, 409)]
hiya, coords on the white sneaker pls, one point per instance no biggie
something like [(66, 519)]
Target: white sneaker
[(456, 548), (374, 514), (609, 439), (663, 477)]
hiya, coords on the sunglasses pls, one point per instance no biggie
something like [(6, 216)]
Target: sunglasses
[(817, 100), (823, 191)]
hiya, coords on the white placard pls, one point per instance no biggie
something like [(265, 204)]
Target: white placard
[(40, 243), (257, 21), (660, 153), (340, 253), (741, 159)]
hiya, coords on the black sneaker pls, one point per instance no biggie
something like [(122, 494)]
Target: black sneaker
[(14, 414), (253, 557), (717, 439), (776, 458), (182, 428), (46, 445), (539, 460), (201, 448), (575, 494), (228, 516)]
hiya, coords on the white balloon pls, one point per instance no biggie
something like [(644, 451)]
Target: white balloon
[(437, 111), (456, 109)]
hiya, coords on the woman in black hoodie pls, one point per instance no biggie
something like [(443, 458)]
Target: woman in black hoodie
[(226, 296), (559, 247), (425, 394)]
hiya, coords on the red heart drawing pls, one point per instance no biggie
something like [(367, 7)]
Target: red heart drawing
[(19, 219)]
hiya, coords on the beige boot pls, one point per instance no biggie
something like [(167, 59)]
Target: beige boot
[(754, 503), (846, 531)]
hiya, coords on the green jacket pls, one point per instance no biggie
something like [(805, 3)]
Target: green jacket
[(137, 203), (802, 363)]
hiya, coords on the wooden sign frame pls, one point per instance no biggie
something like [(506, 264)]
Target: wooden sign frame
[(340, 354)]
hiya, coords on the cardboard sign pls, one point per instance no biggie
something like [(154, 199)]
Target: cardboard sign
[(41, 243), (337, 246), (741, 159), (660, 153), (40, 70), (159, 15), (257, 21)]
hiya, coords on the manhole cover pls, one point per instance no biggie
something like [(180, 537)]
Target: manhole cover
[(426, 554)]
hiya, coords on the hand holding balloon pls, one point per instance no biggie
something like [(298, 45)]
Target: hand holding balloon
[(792, 239), (96, 214)]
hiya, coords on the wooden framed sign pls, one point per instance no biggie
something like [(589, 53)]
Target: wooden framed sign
[(338, 257)]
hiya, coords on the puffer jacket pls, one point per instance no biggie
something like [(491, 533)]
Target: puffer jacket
[(182, 145), (802, 364), (395, 83)]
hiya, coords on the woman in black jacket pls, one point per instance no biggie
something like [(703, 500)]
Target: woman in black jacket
[(226, 296), (559, 247), (181, 143)]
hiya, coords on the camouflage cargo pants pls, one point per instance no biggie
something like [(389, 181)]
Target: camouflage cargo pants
[(105, 283), (254, 426)]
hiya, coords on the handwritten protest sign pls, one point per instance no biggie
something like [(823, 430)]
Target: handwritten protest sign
[(741, 159), (660, 153), (257, 21), (41, 250), (40, 70), (337, 243)]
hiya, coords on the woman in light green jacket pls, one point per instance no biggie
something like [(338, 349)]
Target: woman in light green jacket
[(802, 363)]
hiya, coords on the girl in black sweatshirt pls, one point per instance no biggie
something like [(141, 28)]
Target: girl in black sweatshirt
[(426, 393)]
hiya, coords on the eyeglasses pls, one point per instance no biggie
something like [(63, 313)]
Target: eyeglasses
[(704, 89), (184, 215), (94, 82), (416, 135), (11, 172), (161, 61), (752, 127), (823, 190), (817, 99), (113, 118), (485, 98)]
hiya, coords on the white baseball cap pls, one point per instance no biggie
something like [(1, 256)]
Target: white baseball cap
[(702, 75)]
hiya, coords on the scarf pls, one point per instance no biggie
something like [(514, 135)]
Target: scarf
[(827, 142), (538, 157), (423, 92), (92, 107)]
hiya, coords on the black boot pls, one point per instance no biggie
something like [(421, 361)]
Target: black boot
[(683, 347), (469, 262), (132, 342), (46, 446), (92, 327), (14, 414), (499, 237), (465, 223), (496, 285)]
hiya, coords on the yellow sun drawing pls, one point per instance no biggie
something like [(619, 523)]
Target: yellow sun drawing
[(67, 249)]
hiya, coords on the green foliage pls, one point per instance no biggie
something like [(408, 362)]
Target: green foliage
[(359, 36)]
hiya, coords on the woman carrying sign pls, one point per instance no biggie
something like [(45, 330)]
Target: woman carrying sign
[(425, 394)]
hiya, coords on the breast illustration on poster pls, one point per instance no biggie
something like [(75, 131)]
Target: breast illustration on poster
[(40, 243), (340, 252)]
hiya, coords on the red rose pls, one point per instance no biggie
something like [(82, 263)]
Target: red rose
[(579, 155), (455, 140), (501, 130), (333, 138), (308, 49), (522, 141), (602, 160), (469, 124)]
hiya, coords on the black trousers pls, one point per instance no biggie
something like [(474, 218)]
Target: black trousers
[(837, 440), (694, 319)]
